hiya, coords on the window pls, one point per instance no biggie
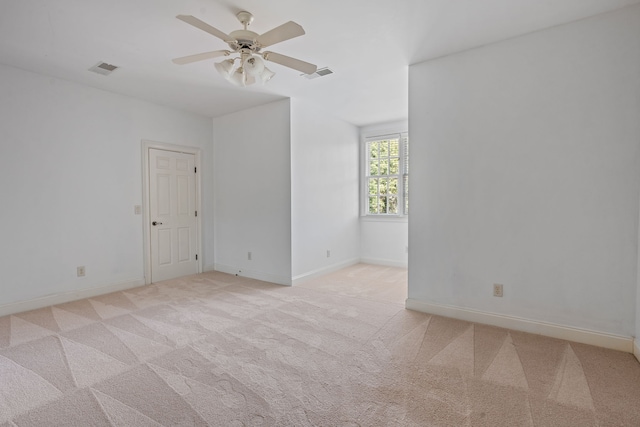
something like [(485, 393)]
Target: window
[(386, 180)]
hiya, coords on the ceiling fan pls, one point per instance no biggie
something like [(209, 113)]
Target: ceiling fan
[(248, 45)]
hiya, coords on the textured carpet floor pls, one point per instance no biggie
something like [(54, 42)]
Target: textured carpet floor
[(215, 349)]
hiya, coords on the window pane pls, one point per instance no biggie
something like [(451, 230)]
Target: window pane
[(384, 166), (393, 204), (394, 148), (373, 205), (384, 148), (394, 165), (373, 167), (383, 185), (373, 186), (382, 205), (393, 186), (373, 150)]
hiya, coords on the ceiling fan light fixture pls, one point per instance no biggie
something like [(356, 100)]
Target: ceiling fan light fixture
[(253, 65), (249, 80), (238, 78), (266, 75), (225, 68)]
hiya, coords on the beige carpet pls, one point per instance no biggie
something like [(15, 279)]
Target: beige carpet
[(215, 349)]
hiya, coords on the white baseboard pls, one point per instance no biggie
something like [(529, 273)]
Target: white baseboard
[(583, 336), (258, 275), (300, 278), (636, 348), (62, 297), (385, 262)]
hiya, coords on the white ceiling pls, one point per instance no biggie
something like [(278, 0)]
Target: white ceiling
[(369, 45)]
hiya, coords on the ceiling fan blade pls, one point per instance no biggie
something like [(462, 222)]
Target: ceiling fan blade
[(192, 20), (200, 57), (290, 62), (284, 32)]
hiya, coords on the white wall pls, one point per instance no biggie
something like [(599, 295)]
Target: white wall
[(384, 241), (324, 188), (252, 189), (525, 172), (70, 175)]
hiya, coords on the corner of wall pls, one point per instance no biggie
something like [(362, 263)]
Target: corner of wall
[(253, 274), (384, 262), (296, 280)]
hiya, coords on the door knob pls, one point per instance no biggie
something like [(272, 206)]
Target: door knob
[(156, 223)]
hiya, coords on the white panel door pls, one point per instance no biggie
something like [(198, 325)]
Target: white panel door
[(172, 214)]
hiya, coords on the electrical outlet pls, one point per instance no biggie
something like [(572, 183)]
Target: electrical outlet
[(328, 253), (249, 256), (497, 290), (80, 271)]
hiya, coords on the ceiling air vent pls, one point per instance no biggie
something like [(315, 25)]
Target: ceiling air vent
[(103, 68), (319, 73)]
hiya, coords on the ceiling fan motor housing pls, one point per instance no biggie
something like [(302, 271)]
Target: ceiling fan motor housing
[(244, 39)]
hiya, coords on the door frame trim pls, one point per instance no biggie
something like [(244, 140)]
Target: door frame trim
[(146, 236)]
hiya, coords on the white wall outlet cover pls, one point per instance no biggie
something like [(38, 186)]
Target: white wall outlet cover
[(497, 290)]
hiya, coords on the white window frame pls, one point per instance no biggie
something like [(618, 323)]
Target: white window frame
[(364, 177)]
